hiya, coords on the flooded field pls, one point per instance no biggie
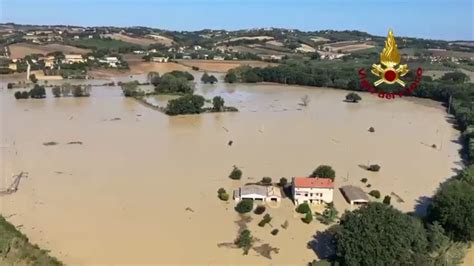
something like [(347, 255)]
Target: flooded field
[(142, 186)]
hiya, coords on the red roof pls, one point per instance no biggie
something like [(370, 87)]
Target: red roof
[(311, 182)]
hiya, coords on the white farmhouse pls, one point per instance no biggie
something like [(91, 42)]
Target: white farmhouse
[(312, 190), (73, 58), (159, 59)]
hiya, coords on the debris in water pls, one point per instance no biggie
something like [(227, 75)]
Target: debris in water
[(230, 143), (189, 209), (115, 119), (75, 142), (50, 143)]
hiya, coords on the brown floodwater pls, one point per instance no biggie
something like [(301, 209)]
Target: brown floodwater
[(142, 187)]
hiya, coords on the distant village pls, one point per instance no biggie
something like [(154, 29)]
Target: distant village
[(70, 51)]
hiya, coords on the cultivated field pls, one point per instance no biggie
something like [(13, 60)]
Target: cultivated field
[(141, 41), (20, 50), (348, 46), (221, 66)]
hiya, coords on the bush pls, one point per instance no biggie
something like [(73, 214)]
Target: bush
[(236, 173), (244, 206), (33, 78), (374, 168), (10, 85), (386, 200), (266, 219), (324, 171), (188, 104), (21, 95), (303, 208), (283, 182), (368, 185), (266, 180), (195, 68), (274, 231), (329, 215), (371, 129), (260, 209), (56, 90), (375, 194), (363, 180), (353, 97), (308, 218), (206, 78), (223, 196), (221, 190)]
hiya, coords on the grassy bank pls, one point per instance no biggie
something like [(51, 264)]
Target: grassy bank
[(15, 249)]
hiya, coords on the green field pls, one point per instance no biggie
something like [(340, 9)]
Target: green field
[(15, 249)]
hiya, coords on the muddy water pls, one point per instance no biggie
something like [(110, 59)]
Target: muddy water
[(121, 196)]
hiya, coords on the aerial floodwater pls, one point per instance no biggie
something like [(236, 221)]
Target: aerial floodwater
[(126, 184)]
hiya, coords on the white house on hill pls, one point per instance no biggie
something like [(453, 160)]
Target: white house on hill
[(312, 190)]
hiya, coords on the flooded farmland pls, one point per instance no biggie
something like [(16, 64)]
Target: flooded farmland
[(142, 186)]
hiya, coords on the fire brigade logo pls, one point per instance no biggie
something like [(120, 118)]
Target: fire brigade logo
[(389, 58), (389, 71)]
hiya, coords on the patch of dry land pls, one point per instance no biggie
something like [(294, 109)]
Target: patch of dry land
[(222, 66), (142, 187), (141, 41), (20, 50)]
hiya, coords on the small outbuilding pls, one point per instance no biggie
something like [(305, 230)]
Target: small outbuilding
[(354, 195), (256, 192)]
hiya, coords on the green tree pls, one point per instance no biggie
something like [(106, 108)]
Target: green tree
[(230, 77), (283, 182), (151, 75), (245, 241), (236, 173), (205, 77), (442, 250), (303, 208), (457, 77), (188, 104), (266, 219), (324, 171), (244, 206), (377, 234), (266, 180), (217, 103), (329, 215), (172, 84), (38, 92), (308, 218), (453, 207), (353, 97), (56, 90)]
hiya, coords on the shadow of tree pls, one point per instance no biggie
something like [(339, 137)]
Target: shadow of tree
[(421, 206), (323, 244)]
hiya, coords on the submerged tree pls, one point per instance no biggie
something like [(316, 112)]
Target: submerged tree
[(245, 241), (217, 103), (324, 171)]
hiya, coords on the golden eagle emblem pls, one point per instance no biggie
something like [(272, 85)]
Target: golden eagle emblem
[(389, 59)]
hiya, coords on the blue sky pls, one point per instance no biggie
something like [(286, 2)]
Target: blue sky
[(435, 19)]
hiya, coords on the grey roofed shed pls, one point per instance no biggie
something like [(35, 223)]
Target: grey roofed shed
[(354, 194)]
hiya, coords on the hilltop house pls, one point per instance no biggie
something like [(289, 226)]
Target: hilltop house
[(111, 61), (256, 192), (73, 58), (312, 190)]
